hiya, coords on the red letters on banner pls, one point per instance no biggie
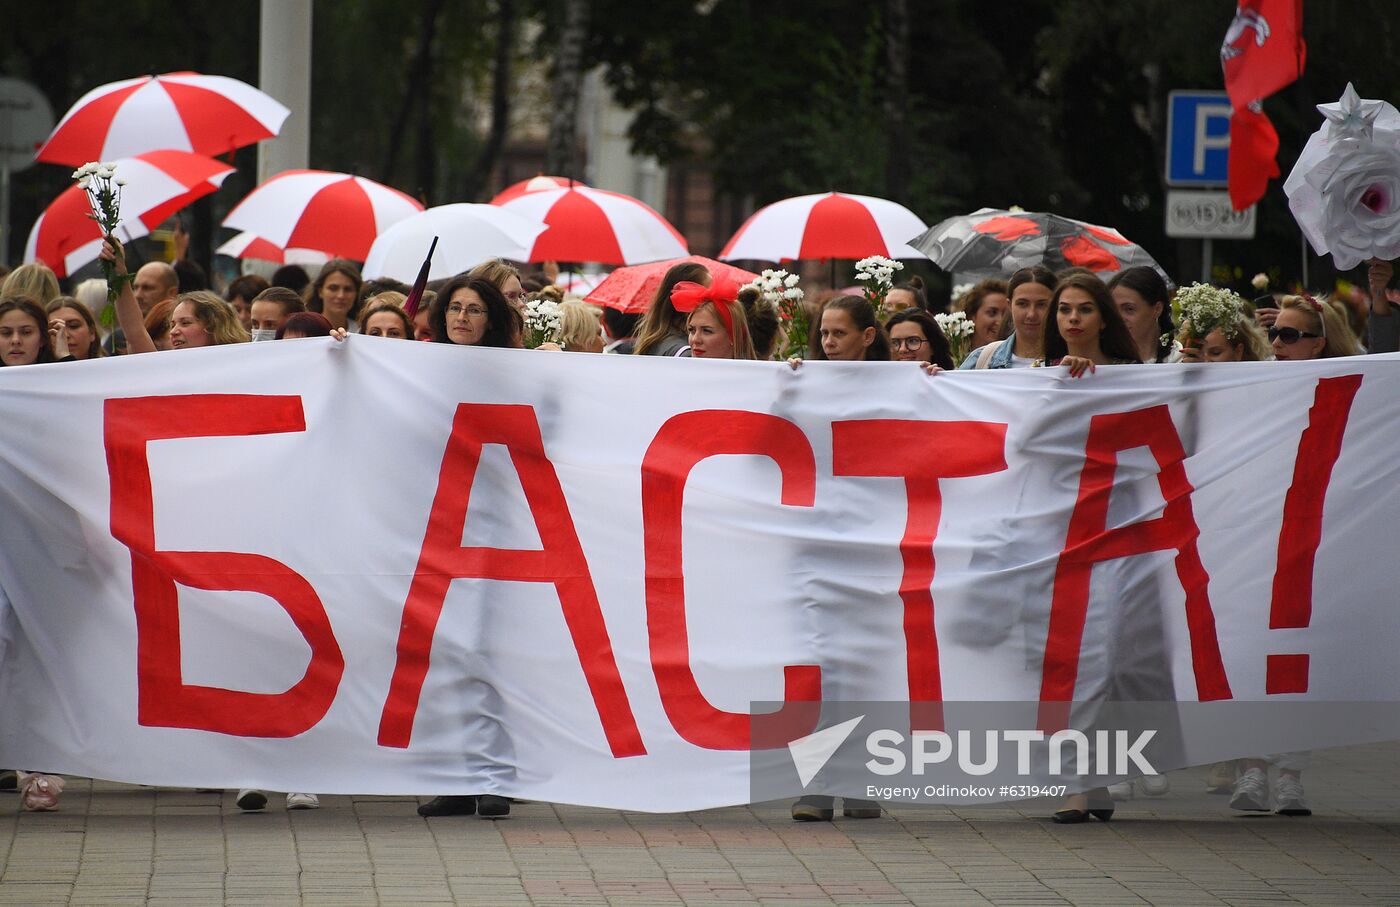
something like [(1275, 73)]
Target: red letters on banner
[(560, 561), (921, 453), (683, 442), (1089, 541), (164, 699), (1301, 533)]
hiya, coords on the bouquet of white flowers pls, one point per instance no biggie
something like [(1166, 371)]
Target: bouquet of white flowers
[(958, 329), (779, 289), (1201, 308), (104, 193), (542, 321), (875, 276)]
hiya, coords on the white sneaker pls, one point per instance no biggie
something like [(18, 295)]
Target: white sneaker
[(303, 801), (1288, 797), (1154, 785), (1251, 791), (250, 800), (1123, 790)]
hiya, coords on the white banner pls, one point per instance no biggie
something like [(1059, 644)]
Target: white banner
[(389, 567)]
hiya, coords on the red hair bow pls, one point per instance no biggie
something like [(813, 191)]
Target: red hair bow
[(688, 295)]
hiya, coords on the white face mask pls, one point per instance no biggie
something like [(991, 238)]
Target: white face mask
[(263, 335)]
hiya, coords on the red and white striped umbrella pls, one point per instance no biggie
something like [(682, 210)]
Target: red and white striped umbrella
[(830, 225), (335, 213), (182, 110), (597, 225), (247, 245), (158, 183), (539, 183)]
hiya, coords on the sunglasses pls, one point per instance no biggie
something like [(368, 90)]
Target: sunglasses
[(1289, 335)]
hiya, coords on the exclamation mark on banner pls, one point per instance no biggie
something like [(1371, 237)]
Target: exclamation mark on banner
[(1301, 533)]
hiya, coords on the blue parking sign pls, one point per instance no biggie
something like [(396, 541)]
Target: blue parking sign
[(1198, 138)]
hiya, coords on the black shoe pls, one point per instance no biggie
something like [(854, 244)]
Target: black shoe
[(814, 809), (448, 806), (1075, 816), (861, 809), (250, 800), (490, 806)]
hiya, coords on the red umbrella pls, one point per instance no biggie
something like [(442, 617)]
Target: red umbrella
[(632, 289), (538, 183), (831, 225), (597, 225), (158, 183), (182, 110), (335, 213)]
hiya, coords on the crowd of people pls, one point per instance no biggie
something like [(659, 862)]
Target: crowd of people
[(1036, 318)]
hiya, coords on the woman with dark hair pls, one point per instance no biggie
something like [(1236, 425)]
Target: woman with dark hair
[(916, 337), (335, 293), (471, 311), (985, 305), (662, 330), (71, 319), (24, 337), (1030, 290), (848, 332), (909, 295), (241, 293), (762, 318), (1145, 304), (1086, 330), (304, 324)]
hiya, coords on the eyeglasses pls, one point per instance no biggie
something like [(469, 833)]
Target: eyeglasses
[(907, 343), (1289, 335), (456, 308)]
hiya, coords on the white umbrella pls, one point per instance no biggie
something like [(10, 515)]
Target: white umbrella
[(1345, 189), (469, 234)]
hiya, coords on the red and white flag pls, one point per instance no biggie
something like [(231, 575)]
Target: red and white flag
[(1263, 51)]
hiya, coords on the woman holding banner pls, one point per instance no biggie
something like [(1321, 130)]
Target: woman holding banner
[(1086, 330), (1030, 290)]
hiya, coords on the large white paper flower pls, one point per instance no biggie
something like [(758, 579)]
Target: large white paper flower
[(1345, 189)]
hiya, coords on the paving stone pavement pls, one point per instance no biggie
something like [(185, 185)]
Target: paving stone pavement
[(115, 844)]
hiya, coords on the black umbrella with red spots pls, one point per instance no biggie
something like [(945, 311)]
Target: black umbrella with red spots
[(994, 242)]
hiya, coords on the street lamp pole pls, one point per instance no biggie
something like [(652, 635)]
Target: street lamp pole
[(284, 72)]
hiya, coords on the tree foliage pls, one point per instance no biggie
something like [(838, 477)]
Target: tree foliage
[(1049, 105)]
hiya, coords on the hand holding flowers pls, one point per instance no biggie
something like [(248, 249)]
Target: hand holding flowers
[(104, 194)]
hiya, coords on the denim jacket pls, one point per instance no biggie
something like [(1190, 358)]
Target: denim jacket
[(1000, 359)]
